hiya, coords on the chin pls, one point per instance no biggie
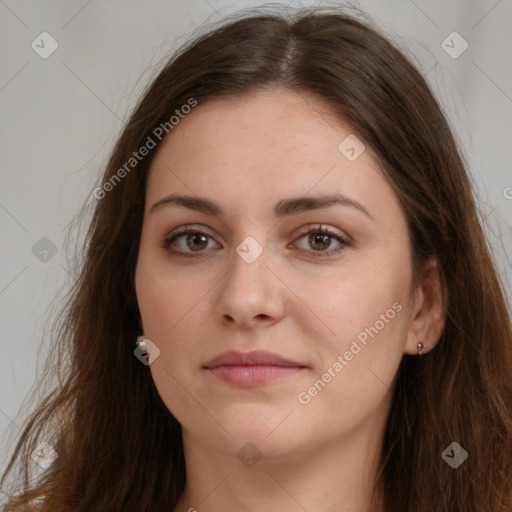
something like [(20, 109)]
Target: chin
[(259, 435)]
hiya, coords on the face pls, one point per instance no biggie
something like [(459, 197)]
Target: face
[(325, 288)]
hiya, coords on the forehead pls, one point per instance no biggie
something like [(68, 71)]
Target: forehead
[(255, 149), (230, 128)]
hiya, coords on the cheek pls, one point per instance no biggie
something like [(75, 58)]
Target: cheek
[(170, 320), (358, 364), (165, 296), (347, 304), (174, 321), (365, 323), (173, 310)]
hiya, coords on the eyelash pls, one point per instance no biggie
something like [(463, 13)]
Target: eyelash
[(166, 244)]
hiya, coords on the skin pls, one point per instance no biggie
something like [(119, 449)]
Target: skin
[(248, 153)]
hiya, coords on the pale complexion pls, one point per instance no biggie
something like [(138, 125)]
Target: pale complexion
[(247, 154)]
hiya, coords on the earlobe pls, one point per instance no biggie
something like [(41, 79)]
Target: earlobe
[(429, 315)]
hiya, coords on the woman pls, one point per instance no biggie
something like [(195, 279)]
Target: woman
[(287, 300)]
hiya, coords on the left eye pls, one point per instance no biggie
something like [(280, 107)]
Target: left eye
[(319, 239)]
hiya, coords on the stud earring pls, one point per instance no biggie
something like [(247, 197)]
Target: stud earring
[(142, 343), (421, 346)]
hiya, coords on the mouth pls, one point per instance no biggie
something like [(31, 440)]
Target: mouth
[(249, 369)]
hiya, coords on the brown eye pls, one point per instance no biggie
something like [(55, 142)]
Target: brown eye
[(191, 241), (319, 239), (196, 241)]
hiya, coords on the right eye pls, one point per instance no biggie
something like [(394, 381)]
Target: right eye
[(193, 237)]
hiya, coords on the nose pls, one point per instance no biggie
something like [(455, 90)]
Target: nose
[(251, 293)]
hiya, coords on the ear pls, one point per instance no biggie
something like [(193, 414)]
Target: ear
[(428, 314)]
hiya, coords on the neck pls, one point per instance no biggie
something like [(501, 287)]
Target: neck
[(336, 476)]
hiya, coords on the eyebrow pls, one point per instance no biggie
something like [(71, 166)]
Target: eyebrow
[(284, 208)]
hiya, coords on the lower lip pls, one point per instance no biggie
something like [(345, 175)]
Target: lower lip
[(253, 375)]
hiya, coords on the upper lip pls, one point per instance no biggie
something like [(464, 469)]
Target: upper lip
[(256, 357)]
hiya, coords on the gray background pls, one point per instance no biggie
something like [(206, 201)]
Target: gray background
[(62, 114)]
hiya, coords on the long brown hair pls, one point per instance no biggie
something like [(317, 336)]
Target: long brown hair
[(120, 449)]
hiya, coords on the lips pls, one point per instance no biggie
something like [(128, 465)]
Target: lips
[(257, 357), (250, 369)]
